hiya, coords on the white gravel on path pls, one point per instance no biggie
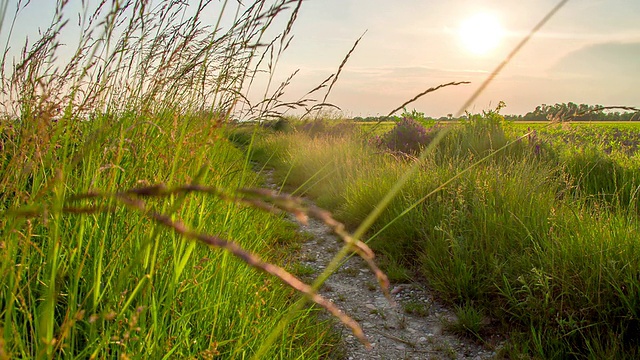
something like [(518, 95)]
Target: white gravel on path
[(393, 333)]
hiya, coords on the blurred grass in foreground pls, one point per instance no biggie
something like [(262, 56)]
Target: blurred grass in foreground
[(92, 262)]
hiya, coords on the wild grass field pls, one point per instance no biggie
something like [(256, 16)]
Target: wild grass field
[(115, 179), (130, 226), (532, 233)]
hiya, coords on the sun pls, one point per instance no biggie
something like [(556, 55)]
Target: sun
[(481, 33)]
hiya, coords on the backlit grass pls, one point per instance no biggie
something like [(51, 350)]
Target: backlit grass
[(111, 163), (530, 237)]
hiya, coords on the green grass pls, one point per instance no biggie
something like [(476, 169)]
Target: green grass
[(115, 175), (417, 307), (541, 238), (115, 283), (468, 321)]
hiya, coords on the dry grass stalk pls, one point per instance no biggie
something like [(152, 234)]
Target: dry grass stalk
[(264, 199), (251, 260)]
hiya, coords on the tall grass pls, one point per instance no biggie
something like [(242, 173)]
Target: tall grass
[(112, 157), (518, 237)]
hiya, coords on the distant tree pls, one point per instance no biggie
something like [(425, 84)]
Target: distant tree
[(574, 112)]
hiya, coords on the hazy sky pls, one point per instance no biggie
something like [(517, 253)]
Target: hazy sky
[(588, 53)]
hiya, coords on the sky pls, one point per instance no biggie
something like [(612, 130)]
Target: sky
[(589, 52)]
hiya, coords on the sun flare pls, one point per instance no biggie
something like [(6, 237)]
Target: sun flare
[(481, 33)]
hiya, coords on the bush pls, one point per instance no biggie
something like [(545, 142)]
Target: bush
[(408, 137), (282, 124)]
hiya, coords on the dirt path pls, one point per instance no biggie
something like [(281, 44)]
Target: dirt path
[(412, 329), (394, 332)]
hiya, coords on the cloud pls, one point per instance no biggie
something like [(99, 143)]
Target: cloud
[(417, 73), (601, 61)]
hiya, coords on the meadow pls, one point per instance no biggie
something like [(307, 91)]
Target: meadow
[(124, 232), (131, 227), (532, 233)]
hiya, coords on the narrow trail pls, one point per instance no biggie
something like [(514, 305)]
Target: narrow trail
[(412, 329)]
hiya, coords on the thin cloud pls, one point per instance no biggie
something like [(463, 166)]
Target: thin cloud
[(603, 60), (628, 36)]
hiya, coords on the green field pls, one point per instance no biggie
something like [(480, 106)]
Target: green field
[(535, 236), (131, 227), (545, 126)]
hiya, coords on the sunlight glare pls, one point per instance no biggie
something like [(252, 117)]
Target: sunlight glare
[(481, 33)]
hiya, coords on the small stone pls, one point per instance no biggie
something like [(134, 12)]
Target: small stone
[(370, 306), (400, 347), (422, 339)]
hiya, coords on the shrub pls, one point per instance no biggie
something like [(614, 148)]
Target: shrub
[(282, 124), (408, 137)]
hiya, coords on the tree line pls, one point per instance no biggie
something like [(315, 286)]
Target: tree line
[(578, 112)]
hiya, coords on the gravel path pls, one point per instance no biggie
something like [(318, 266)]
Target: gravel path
[(410, 329), (394, 332)]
